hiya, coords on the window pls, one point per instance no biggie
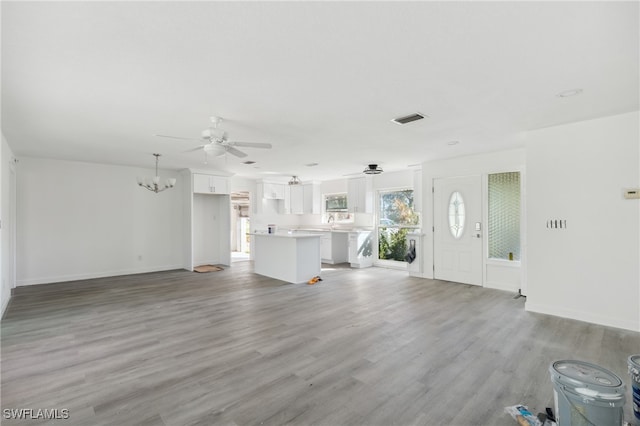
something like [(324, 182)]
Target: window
[(335, 203), (335, 209), (395, 218), (504, 216), (456, 215)]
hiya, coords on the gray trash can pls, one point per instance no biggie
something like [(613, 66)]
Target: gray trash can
[(586, 394), (634, 372)]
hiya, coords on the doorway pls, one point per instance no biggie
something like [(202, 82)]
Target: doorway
[(240, 226), (458, 229)]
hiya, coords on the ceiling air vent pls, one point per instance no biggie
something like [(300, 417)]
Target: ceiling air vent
[(372, 169), (408, 118), (248, 162)]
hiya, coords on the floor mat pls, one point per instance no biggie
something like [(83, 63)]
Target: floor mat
[(207, 268)]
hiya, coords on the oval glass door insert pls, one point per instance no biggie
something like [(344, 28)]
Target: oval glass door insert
[(456, 214)]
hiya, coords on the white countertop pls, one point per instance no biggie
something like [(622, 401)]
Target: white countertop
[(285, 235), (333, 230)]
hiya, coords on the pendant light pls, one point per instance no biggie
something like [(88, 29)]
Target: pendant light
[(153, 184)]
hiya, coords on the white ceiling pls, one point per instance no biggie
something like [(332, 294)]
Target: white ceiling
[(320, 81)]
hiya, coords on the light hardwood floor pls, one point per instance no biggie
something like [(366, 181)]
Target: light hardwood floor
[(362, 347)]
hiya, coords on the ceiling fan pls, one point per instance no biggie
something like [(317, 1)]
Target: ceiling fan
[(218, 143)]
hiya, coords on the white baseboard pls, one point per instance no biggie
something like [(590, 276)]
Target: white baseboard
[(502, 286), (582, 316), (88, 276), (207, 262), (5, 303)]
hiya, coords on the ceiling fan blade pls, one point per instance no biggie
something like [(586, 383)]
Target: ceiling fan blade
[(195, 149), (174, 137), (233, 151), (251, 144)]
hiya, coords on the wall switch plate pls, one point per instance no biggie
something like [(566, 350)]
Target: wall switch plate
[(632, 193)]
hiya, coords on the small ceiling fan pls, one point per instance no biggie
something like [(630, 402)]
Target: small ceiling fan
[(218, 143)]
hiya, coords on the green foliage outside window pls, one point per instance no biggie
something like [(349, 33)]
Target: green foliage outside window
[(395, 215), (392, 243), (396, 208)]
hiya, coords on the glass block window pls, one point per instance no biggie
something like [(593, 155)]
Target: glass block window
[(504, 216)]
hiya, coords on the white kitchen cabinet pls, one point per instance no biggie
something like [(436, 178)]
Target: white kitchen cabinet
[(325, 247), (360, 195), (206, 219), (361, 249), (291, 258), (311, 198), (210, 184), (303, 199), (334, 246), (270, 198), (296, 199), (273, 191)]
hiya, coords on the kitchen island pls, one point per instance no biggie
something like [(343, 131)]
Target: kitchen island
[(294, 258)]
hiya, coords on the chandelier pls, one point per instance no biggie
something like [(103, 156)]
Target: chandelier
[(153, 184)]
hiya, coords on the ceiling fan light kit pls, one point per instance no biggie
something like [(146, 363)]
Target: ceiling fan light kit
[(214, 133), (218, 143), (372, 169), (153, 184), (215, 150)]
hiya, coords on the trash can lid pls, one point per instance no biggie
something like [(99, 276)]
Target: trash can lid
[(581, 374), (634, 364)]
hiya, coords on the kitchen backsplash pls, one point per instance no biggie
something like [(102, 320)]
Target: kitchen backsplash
[(363, 220), (337, 218)]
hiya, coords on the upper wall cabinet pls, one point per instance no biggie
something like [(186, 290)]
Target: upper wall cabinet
[(360, 195), (210, 184), (273, 191), (296, 200), (303, 199), (312, 199)]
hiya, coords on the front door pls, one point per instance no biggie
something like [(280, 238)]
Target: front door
[(458, 229)]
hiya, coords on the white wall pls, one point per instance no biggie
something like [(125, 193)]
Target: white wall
[(7, 218), (82, 220), (393, 180), (336, 186), (481, 164), (577, 172)]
